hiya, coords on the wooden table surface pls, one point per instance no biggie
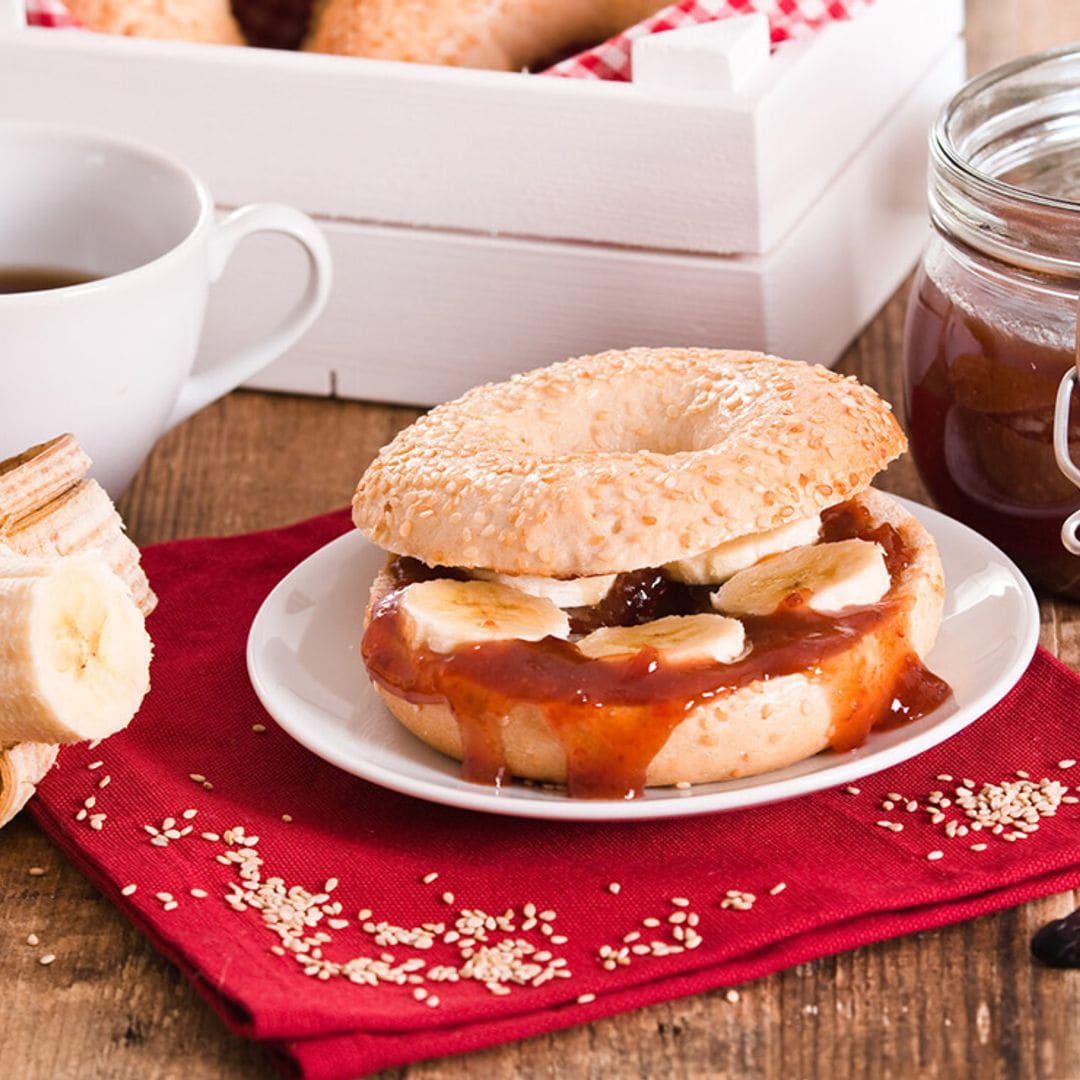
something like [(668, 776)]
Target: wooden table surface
[(958, 1002)]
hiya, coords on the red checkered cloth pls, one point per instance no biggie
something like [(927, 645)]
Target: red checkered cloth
[(788, 19)]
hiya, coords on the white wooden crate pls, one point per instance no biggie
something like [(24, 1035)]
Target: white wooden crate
[(486, 222)]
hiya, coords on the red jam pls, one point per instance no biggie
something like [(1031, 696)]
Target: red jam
[(612, 716)]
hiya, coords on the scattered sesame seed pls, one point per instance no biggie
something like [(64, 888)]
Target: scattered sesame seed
[(778, 888), (1022, 774), (287, 818), (944, 778), (210, 836), (164, 897), (732, 996), (172, 905), (95, 764), (432, 1001), (97, 822), (585, 999), (614, 888), (197, 777), (447, 897), (680, 901), (911, 806), (258, 728), (330, 885), (105, 781), (1066, 763), (934, 855), (188, 814), (90, 802), (427, 879), (46, 960), (36, 871), (81, 815), (32, 939), (207, 785), (851, 789), (199, 894), (127, 890), (978, 847), (683, 785)]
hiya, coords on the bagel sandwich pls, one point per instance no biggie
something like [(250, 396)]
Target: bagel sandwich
[(645, 568)]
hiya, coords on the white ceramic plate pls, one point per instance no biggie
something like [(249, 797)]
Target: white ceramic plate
[(303, 659)]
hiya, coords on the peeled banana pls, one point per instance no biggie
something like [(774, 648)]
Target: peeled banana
[(445, 614), (827, 577), (718, 564), (21, 769), (562, 592), (74, 653), (680, 638)]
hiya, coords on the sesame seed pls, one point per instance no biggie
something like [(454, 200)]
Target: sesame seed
[(95, 764), (650, 922), (172, 905), (732, 996), (944, 778), (1022, 774), (680, 901), (90, 802), (585, 999), (331, 884), (164, 897), (36, 871), (287, 818), (207, 785), (447, 897), (81, 815), (683, 785), (427, 879), (258, 728), (419, 993), (32, 939), (778, 888), (614, 888), (432, 1001), (46, 960), (851, 789), (127, 890), (1066, 763), (97, 822), (168, 823), (978, 847), (197, 777), (210, 836), (105, 781), (188, 814), (911, 806), (934, 855), (199, 894)]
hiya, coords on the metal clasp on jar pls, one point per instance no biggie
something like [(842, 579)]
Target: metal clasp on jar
[(1065, 462)]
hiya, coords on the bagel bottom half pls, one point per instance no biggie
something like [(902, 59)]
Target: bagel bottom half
[(763, 725)]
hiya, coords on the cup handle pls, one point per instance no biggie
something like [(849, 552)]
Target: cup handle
[(1065, 462), (199, 390)]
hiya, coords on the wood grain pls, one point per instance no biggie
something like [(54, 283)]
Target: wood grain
[(960, 1002)]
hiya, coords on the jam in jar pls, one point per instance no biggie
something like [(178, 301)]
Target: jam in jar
[(991, 323)]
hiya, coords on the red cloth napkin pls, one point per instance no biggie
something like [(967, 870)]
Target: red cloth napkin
[(848, 881), (788, 19)]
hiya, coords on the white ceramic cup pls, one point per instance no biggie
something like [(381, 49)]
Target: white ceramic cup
[(111, 360)]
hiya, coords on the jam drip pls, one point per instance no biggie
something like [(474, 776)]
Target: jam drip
[(613, 716)]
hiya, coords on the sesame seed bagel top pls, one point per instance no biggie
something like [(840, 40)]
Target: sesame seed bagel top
[(623, 460)]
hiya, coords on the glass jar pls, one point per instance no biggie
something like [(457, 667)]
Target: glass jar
[(991, 323)]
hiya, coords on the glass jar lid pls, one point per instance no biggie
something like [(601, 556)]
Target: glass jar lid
[(1005, 164)]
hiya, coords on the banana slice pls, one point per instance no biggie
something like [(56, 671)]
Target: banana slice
[(718, 564), (22, 767), (82, 520), (562, 592), (830, 577), (682, 638), (39, 475), (74, 653), (445, 614)]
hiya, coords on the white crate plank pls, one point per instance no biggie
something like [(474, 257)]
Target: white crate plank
[(485, 152), (418, 317)]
